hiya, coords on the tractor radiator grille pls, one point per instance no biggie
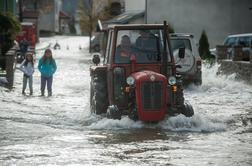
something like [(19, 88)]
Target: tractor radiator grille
[(152, 95)]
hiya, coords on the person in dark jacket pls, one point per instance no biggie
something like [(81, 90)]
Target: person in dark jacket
[(147, 41), (47, 67), (124, 51)]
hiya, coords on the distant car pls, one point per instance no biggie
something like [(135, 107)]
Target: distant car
[(244, 40), (96, 42), (190, 66)]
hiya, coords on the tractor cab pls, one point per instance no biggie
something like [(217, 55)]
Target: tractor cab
[(137, 76)]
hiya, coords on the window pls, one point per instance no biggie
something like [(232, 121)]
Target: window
[(230, 41), (244, 41), (145, 45), (180, 43)]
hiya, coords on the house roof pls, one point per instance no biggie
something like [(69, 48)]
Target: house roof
[(64, 15), (30, 14), (125, 17), (134, 26)]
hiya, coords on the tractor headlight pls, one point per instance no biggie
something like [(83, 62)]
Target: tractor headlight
[(172, 80), (130, 80)]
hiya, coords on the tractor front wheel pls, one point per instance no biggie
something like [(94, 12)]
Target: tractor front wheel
[(113, 112), (187, 110)]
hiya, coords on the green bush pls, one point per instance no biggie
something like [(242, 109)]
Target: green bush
[(9, 29), (204, 46)]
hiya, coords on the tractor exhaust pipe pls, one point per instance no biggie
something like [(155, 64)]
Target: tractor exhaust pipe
[(165, 58)]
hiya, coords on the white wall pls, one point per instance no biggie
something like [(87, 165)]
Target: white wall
[(134, 5), (218, 17), (49, 21)]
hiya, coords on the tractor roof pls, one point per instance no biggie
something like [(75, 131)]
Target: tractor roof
[(135, 26)]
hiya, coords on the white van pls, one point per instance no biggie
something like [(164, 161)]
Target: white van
[(191, 64), (244, 40)]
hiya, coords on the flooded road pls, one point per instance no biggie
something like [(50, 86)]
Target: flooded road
[(60, 130)]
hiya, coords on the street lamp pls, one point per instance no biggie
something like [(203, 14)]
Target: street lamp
[(20, 6)]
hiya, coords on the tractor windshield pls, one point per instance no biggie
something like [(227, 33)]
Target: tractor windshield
[(145, 45)]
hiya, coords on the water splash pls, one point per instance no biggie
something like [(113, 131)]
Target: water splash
[(212, 81), (124, 123), (178, 123), (196, 123)]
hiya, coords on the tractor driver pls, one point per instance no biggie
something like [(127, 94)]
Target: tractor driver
[(124, 51), (147, 45), (146, 41)]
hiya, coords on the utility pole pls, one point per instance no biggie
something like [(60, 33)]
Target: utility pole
[(90, 15), (6, 6), (20, 5)]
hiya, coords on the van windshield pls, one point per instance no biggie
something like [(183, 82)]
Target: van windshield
[(230, 41), (145, 45)]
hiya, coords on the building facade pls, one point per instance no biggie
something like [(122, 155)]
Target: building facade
[(133, 5), (217, 18), (8, 6), (48, 13)]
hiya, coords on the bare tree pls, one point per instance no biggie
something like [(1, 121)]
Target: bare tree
[(89, 12)]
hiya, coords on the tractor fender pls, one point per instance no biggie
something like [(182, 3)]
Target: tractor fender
[(98, 71)]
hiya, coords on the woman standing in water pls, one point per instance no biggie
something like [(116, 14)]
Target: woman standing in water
[(47, 67)]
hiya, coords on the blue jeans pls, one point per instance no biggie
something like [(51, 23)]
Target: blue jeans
[(25, 80), (46, 81)]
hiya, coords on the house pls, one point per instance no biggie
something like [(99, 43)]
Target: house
[(133, 5), (217, 18), (128, 17), (48, 12), (133, 13), (63, 22), (8, 6), (113, 7)]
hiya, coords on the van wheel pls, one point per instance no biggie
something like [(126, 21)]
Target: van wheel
[(198, 82), (98, 95), (187, 110)]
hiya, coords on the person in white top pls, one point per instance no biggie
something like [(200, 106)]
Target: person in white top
[(27, 67)]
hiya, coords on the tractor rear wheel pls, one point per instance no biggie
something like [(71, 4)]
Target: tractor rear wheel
[(98, 95)]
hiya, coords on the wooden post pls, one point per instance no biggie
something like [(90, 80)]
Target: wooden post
[(221, 52), (250, 56), (10, 66), (237, 53)]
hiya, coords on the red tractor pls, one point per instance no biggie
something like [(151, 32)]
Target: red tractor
[(138, 75)]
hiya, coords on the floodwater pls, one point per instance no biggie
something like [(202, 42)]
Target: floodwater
[(60, 130)]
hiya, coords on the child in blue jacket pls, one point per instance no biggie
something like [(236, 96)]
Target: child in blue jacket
[(47, 67)]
